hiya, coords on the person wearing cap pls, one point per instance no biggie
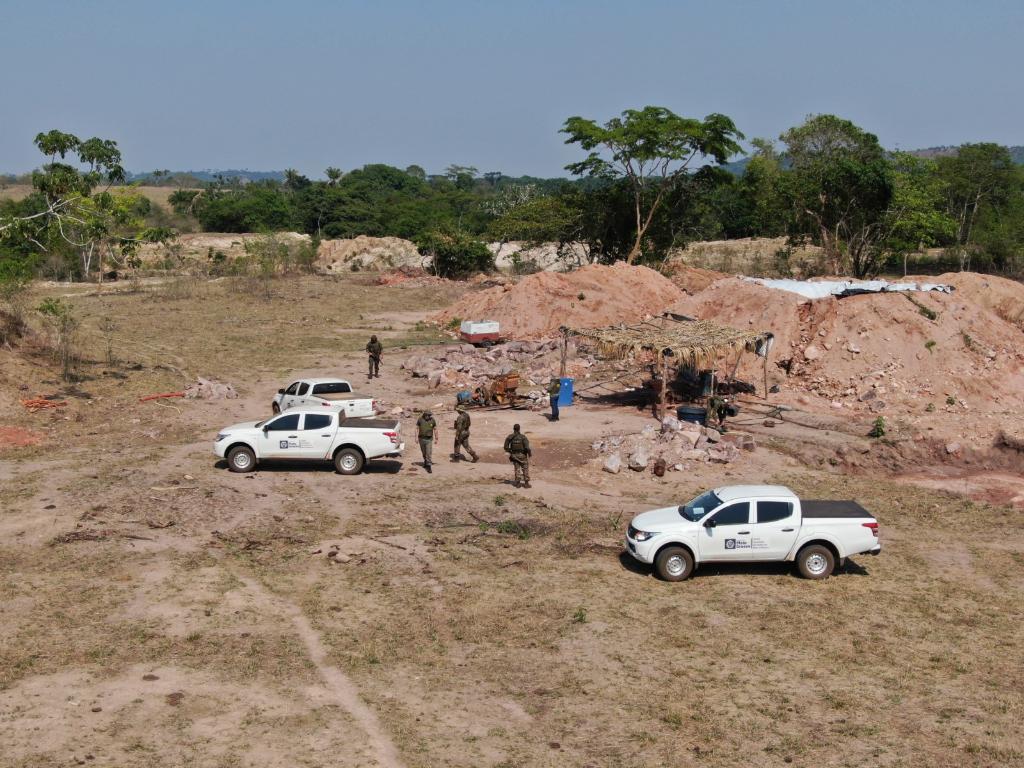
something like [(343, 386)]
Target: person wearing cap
[(426, 430), (517, 446), (374, 349), (462, 422)]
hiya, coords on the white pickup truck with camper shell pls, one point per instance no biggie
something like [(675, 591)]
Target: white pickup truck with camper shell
[(329, 394), (310, 436), (752, 523)]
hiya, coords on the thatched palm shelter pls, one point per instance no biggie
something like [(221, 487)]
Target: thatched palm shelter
[(674, 342)]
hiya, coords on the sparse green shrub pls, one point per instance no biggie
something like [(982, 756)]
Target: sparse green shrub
[(950, 400), (929, 345), (878, 428), (580, 616), (62, 323)]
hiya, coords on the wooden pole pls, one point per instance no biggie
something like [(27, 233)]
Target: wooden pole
[(565, 353), (664, 385), (765, 368)]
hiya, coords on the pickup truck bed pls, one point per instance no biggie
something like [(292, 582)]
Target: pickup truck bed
[(829, 508)]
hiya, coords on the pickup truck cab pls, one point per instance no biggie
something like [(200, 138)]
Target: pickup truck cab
[(752, 523), (332, 394), (309, 435)]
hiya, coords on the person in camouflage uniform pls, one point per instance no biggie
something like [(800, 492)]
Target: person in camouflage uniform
[(426, 431), (374, 349), (717, 409), (462, 423), (517, 446)]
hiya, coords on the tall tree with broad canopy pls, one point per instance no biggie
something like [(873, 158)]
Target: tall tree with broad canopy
[(653, 148), (841, 187)]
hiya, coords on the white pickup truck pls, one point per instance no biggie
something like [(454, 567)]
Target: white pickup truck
[(310, 435), (750, 523), (332, 394)]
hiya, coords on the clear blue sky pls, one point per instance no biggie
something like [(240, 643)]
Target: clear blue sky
[(311, 83)]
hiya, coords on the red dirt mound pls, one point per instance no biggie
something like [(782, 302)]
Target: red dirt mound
[(1002, 296), (16, 437), (591, 297), (692, 279)]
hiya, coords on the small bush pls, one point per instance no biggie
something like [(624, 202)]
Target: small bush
[(878, 428), (950, 400), (62, 323), (455, 255), (929, 345), (580, 616)]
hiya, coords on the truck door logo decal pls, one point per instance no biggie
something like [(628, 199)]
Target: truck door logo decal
[(730, 543), (282, 443)]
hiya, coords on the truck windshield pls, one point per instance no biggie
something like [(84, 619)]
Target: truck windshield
[(696, 509)]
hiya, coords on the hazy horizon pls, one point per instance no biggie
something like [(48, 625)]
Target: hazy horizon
[(264, 87)]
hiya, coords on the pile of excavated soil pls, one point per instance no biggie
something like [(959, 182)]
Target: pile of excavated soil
[(591, 297), (369, 253), (1002, 296), (928, 353), (692, 279)]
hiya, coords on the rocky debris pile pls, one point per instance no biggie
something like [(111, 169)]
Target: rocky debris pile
[(367, 253), (676, 443), (523, 258), (210, 389), (591, 297), (464, 366)]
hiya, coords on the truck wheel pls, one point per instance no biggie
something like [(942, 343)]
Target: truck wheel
[(275, 408), (348, 461), (673, 564), (815, 562), (241, 459)]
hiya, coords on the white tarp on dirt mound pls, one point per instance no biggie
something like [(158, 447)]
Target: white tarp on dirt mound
[(819, 289)]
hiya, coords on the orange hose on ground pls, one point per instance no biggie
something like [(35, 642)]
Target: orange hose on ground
[(158, 397)]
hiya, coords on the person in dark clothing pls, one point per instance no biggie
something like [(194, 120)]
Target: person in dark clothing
[(374, 349), (554, 391)]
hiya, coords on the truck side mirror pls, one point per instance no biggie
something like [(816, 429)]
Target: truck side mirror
[(280, 391), (710, 523)]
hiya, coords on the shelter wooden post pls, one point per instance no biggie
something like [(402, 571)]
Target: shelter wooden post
[(664, 386), (565, 353)]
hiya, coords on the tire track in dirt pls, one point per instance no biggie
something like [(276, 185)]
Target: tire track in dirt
[(339, 686)]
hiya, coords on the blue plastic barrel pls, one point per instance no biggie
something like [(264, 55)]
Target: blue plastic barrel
[(565, 393)]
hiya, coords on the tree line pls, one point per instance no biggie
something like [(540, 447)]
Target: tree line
[(648, 181)]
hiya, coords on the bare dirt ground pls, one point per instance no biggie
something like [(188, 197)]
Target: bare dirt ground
[(157, 610)]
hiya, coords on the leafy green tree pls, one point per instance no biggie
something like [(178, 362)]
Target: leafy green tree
[(333, 176), (653, 149), (416, 172), (977, 177), (841, 187), (916, 217)]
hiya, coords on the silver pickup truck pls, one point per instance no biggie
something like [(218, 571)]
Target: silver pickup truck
[(752, 523), (328, 394)]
